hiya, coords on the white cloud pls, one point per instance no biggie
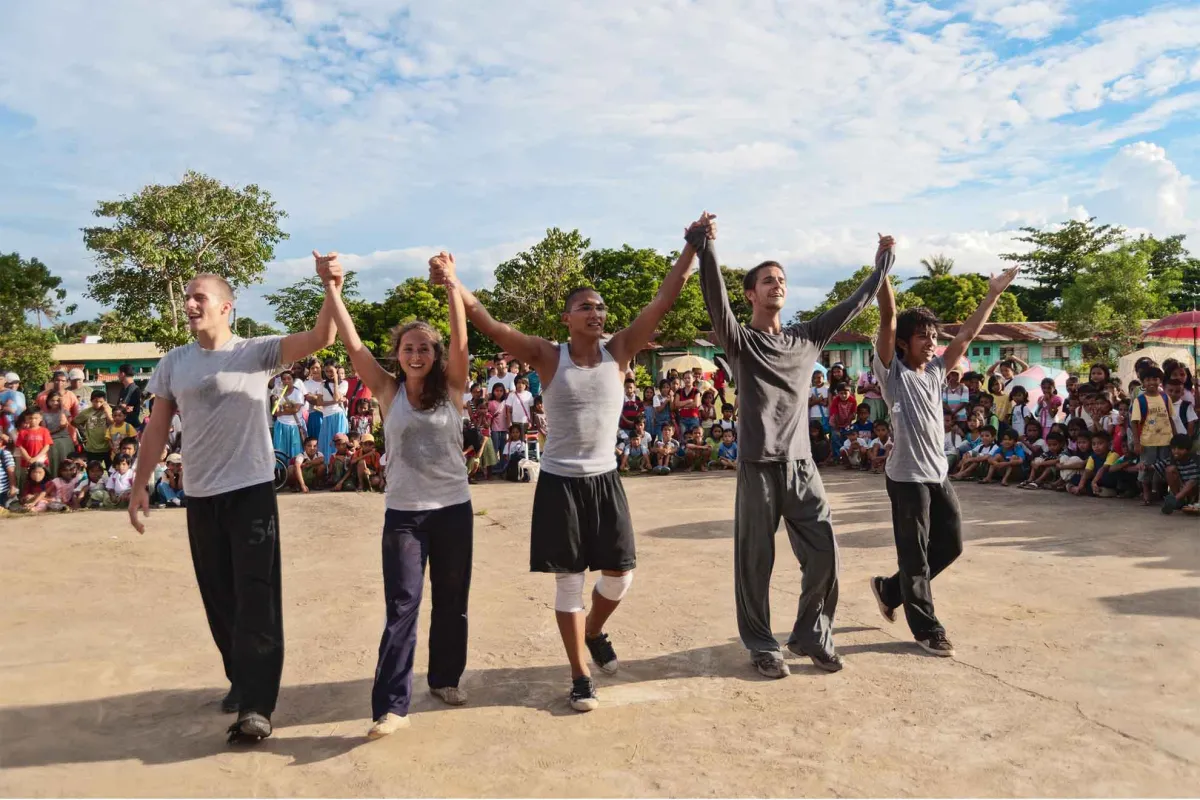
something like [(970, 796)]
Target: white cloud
[(1142, 188), (1031, 19)]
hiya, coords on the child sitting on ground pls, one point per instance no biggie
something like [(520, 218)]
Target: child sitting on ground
[(666, 447), (169, 490), (855, 452), (370, 475), (822, 451), (514, 451), (1070, 467), (340, 471), (35, 495), (1096, 479), (843, 409), (92, 493), (1010, 460), (308, 468), (1044, 469), (952, 439), (119, 483), (1181, 474), (634, 452), (696, 452), (974, 462), (881, 446), (972, 439), (727, 454), (61, 493), (1034, 444)]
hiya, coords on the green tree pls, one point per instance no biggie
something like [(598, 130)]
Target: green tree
[(27, 287), (1056, 258), (161, 237), (532, 286), (29, 352), (1174, 270), (628, 279), (866, 323), (414, 299), (298, 305), (937, 265), (737, 294), (248, 327), (955, 297), (1111, 295)]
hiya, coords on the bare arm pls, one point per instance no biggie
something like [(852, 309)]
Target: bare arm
[(459, 364), (154, 439), (626, 343), (381, 382), (885, 342), (821, 329), (296, 346), (971, 328)]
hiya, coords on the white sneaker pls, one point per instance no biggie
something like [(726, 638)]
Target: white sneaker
[(450, 695), (386, 725)]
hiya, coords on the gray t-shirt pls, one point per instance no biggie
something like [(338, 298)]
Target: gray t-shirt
[(224, 397), (773, 372), (915, 402)]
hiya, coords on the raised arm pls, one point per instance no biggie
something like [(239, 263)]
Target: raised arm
[(822, 328), (971, 328), (885, 342), (541, 353), (381, 382), (459, 362), (726, 328), (626, 343), (302, 345)]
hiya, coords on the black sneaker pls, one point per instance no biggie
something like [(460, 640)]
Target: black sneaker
[(602, 653), (250, 728), (885, 610), (583, 694), (230, 703), (829, 662), (937, 644), (770, 665)]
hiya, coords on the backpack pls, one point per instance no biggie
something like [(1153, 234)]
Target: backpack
[(1144, 406)]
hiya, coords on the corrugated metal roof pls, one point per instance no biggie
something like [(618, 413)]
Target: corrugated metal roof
[(106, 351), (1018, 331), (849, 337)]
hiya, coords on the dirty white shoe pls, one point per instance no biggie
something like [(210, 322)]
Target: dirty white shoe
[(450, 695), (387, 724)]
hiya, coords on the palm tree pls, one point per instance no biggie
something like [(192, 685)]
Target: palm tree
[(44, 307), (936, 266)]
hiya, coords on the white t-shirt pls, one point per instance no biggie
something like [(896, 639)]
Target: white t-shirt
[(887, 446), (1180, 423), (296, 397), (327, 396), (511, 448), (119, 483), (819, 412), (953, 440), (632, 442), (518, 404), (492, 381), (1019, 415), (509, 380)]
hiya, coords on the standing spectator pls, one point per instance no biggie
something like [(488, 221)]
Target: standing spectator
[(956, 396), (495, 417), (285, 433), (974, 382), (1007, 367), (1098, 377), (8, 473), (539, 422), (534, 380), (494, 375), (952, 440), (1048, 404), (330, 394), (130, 399), (510, 377), (687, 405), (1153, 427), (708, 411), (75, 385), (118, 431), (719, 382), (837, 374), (818, 400), (516, 405), (12, 400), (649, 404), (663, 404), (631, 408), (33, 441), (58, 384), (92, 425), (1019, 412), (842, 410), (1183, 411), (868, 387), (57, 421)]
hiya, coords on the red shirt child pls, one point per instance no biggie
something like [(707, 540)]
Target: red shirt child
[(32, 441)]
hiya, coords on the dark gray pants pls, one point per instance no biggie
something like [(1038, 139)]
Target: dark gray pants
[(793, 491)]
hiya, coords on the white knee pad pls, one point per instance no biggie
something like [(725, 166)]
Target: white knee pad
[(613, 588), (569, 597)]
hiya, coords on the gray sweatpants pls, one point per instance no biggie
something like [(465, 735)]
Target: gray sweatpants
[(767, 491)]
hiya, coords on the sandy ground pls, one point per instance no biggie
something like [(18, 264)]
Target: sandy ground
[(1078, 669)]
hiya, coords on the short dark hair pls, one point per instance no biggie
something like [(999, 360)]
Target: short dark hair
[(121, 460), (627, 381), (98, 393), (988, 429), (1180, 441), (862, 406), (129, 440), (1152, 372), (1055, 436), (914, 319), (1102, 434), (571, 295), (972, 376), (1009, 433), (726, 407), (311, 439), (1175, 382), (882, 423), (751, 277), (125, 369)]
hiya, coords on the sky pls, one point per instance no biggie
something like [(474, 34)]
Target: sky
[(391, 129)]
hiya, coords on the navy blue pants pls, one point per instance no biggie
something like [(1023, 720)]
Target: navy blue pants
[(442, 537)]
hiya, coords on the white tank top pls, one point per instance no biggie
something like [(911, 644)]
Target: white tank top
[(583, 412), (425, 466)]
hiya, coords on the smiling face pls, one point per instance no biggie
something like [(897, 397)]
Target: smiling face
[(207, 304), (1097, 375), (586, 314), (769, 291), (417, 353)]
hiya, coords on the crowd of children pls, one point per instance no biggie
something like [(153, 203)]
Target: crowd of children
[(1100, 440)]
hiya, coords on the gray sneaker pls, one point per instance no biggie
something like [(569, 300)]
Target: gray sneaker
[(250, 727), (770, 664)]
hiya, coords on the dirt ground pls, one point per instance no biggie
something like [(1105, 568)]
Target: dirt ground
[(1077, 625)]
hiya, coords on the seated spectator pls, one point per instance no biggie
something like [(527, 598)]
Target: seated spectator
[(727, 453), (1181, 474), (843, 409), (881, 446), (952, 441), (1010, 460), (975, 462), (664, 450), (972, 439), (511, 455), (119, 484), (696, 453), (307, 469), (1101, 473), (35, 495), (340, 472), (990, 417), (713, 440), (1104, 417), (1070, 467), (60, 495), (856, 449), (974, 382), (634, 451), (169, 489), (1033, 442), (822, 449), (92, 493), (1044, 469), (370, 474)]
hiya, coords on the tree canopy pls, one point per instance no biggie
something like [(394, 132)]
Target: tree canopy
[(955, 297), (532, 286), (160, 238), (1057, 256), (27, 287), (866, 323)]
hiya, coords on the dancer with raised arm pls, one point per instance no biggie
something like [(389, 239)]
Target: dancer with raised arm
[(777, 477), (220, 384), (925, 516), (428, 516), (580, 515)]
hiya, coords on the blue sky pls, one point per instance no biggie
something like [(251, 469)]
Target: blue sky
[(389, 130)]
